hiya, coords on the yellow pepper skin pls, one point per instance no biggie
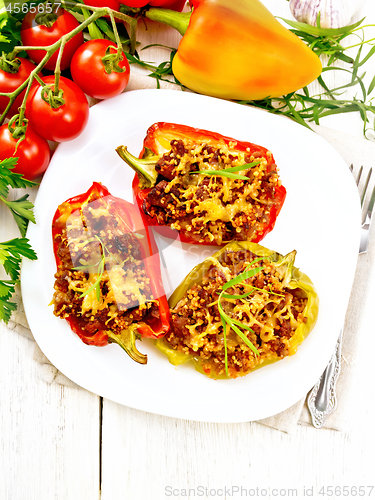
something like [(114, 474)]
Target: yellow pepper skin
[(293, 278), (236, 49)]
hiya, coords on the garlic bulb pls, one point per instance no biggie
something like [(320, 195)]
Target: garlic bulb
[(333, 13)]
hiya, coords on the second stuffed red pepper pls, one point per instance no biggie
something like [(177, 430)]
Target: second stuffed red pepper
[(108, 283), (212, 189)]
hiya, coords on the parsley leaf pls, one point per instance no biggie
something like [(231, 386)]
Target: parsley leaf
[(11, 179), (10, 31), (22, 212), (11, 253), (6, 288), (6, 307)]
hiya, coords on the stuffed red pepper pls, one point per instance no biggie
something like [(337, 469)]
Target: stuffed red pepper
[(210, 188), (108, 284)]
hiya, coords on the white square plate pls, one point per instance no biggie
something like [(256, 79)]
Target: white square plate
[(320, 219)]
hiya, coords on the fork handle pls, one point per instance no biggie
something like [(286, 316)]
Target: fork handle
[(321, 400)]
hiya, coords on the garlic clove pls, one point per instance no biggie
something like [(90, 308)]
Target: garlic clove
[(333, 13)]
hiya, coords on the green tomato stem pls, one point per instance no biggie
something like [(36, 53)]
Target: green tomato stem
[(58, 65), (22, 108), (46, 19), (9, 65), (117, 36), (39, 80)]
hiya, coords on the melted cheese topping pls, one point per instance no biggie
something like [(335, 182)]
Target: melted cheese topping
[(272, 317), (124, 285), (213, 206)]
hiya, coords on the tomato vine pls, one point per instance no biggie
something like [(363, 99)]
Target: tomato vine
[(59, 45)]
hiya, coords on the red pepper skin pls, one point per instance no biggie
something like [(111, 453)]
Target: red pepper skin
[(176, 5), (162, 130), (11, 81), (35, 35), (133, 220)]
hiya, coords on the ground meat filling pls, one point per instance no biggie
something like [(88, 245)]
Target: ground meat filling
[(197, 329), (210, 208), (101, 281)]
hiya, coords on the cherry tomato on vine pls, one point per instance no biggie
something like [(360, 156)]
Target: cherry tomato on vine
[(90, 74), (10, 81), (33, 152), (62, 123), (34, 34)]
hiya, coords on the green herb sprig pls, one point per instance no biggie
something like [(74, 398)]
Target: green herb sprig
[(100, 271), (304, 108), (229, 172), (231, 322), (21, 209), (162, 71), (236, 325), (11, 253)]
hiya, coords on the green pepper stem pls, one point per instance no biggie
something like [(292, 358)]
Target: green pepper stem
[(177, 20), (144, 167), (286, 265), (126, 339)]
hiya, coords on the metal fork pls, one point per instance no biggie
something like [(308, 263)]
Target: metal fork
[(322, 399)]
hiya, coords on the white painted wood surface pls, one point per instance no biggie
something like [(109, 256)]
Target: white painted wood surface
[(50, 435)]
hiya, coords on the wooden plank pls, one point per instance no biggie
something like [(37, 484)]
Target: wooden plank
[(50, 434), (49, 444), (147, 456)]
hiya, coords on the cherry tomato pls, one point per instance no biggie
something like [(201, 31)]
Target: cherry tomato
[(63, 123), (33, 34), (33, 152), (88, 70), (10, 82), (135, 3)]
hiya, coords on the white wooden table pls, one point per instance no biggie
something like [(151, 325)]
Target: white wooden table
[(68, 444)]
